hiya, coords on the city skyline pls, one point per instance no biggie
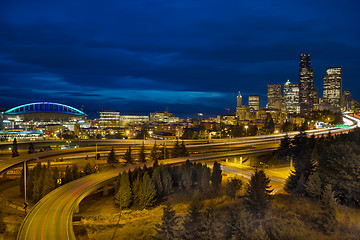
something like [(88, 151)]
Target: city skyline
[(188, 56)]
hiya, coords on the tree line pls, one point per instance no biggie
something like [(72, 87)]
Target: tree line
[(42, 179), (142, 187)]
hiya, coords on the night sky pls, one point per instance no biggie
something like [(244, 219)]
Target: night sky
[(187, 55)]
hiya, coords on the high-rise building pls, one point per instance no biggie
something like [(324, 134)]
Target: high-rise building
[(239, 100), (307, 92), (346, 100), (109, 119), (291, 97), (333, 86), (254, 102), (274, 96)]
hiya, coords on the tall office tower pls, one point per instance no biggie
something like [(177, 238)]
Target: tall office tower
[(274, 96), (239, 100), (346, 100), (332, 86), (254, 102), (291, 97), (307, 91)]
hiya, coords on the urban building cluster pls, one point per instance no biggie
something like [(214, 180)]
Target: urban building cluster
[(291, 103)]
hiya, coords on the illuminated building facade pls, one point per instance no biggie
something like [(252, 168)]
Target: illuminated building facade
[(165, 117), (109, 119), (307, 92), (254, 102), (130, 119), (333, 86), (291, 98), (239, 100), (346, 100), (274, 96)]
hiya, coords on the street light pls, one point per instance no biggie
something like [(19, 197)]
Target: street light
[(246, 127)]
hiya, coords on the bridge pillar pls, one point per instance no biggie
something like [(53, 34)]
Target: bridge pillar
[(241, 160), (226, 160), (235, 160), (105, 190)]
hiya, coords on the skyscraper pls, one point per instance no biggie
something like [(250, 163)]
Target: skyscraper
[(307, 91), (291, 97), (239, 100), (254, 102), (274, 96), (333, 86), (346, 100)]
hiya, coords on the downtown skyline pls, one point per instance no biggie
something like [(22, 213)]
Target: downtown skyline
[(187, 56)]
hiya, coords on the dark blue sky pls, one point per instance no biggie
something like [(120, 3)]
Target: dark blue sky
[(189, 55)]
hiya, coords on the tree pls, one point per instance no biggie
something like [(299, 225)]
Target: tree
[(167, 230), (75, 172), (154, 154), (216, 176), (313, 185), (30, 184), (193, 222), (327, 216), (128, 157), (142, 155), (112, 157), (166, 178), (22, 190), (183, 151), (210, 222), (56, 176), (69, 175), (176, 150), (232, 187), (88, 169), (15, 152), (124, 195), (156, 178), (31, 148), (205, 178), (257, 193), (147, 192), (48, 183), (284, 149), (238, 224)]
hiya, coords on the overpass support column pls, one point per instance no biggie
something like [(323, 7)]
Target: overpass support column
[(241, 160), (235, 160)]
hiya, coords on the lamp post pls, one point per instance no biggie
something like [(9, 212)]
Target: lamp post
[(246, 127)]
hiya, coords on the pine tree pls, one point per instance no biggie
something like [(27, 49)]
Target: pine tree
[(238, 224), (216, 176), (75, 172), (232, 187), (147, 192), (56, 176), (38, 185), (15, 152), (205, 178), (128, 157), (156, 178), (167, 181), (22, 180), (327, 216), (257, 193), (135, 189), (210, 222), (167, 230), (176, 150), (48, 183), (112, 157), (30, 184), (88, 169), (69, 175), (142, 155), (124, 195), (193, 223), (183, 151), (313, 185), (154, 154)]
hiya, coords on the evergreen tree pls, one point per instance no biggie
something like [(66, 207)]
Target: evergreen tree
[(327, 216), (75, 172), (22, 190), (135, 189), (15, 152), (154, 154), (48, 183), (205, 178), (30, 184), (31, 148), (210, 222), (186, 179), (176, 150), (238, 224), (38, 185), (156, 178), (56, 176), (313, 185), (123, 196), (232, 187), (128, 157), (193, 223), (167, 181), (117, 183), (183, 151), (147, 192), (167, 230), (142, 155), (257, 193), (283, 152), (112, 157), (216, 176), (69, 175), (88, 169)]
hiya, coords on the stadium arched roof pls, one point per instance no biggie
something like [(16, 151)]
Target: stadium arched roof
[(44, 107)]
